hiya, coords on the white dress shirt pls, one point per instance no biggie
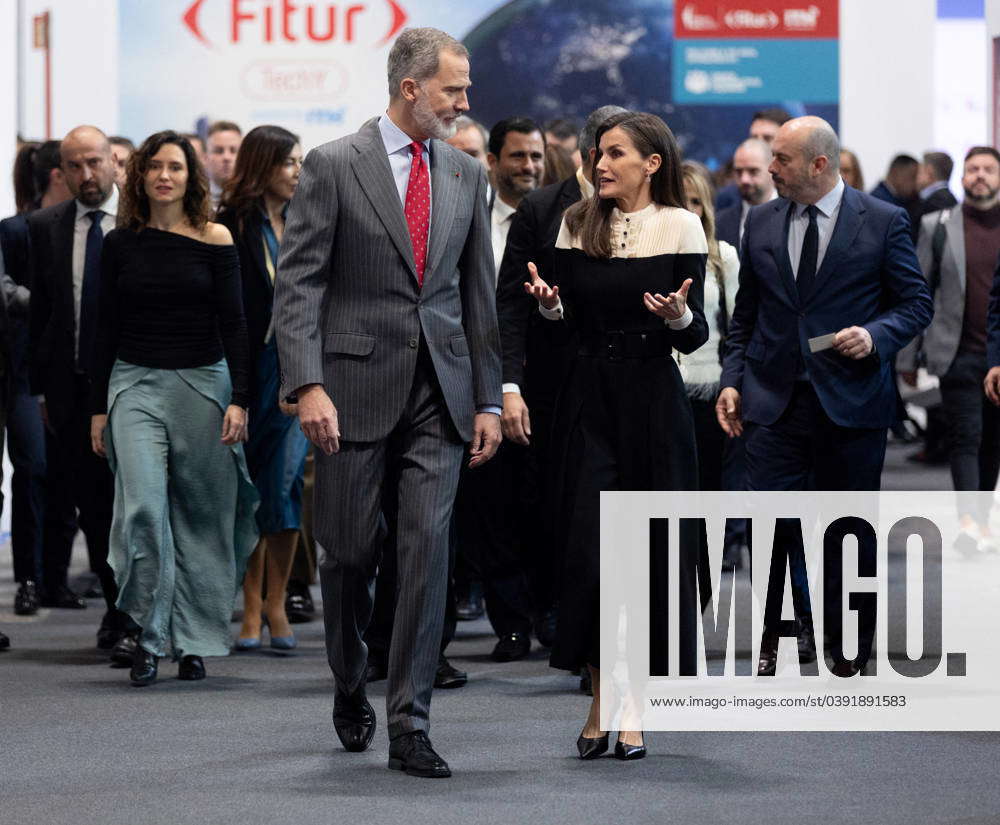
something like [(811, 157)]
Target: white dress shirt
[(397, 147), (500, 218), (80, 229), (828, 208)]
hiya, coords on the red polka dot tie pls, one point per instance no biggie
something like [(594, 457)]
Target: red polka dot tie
[(418, 208)]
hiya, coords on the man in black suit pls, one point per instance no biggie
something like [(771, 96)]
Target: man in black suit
[(66, 245), (932, 178), (535, 353), (25, 431), (750, 162)]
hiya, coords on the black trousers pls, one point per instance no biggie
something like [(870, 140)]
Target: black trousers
[(491, 532), (26, 445), (973, 424), (79, 491), (805, 450)]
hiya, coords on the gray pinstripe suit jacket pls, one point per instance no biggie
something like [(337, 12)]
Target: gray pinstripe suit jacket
[(348, 312)]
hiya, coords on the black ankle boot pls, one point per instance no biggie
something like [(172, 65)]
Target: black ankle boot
[(191, 668), (143, 668)]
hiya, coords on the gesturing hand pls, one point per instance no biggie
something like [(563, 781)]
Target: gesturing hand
[(547, 296), (318, 418), (672, 307)]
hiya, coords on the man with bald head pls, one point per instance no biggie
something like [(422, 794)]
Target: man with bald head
[(750, 169), (822, 260), (66, 242)]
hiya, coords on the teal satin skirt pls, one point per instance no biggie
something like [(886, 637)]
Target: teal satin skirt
[(184, 522)]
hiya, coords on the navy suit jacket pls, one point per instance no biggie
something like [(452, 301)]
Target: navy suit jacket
[(869, 277), (993, 322), (727, 224)]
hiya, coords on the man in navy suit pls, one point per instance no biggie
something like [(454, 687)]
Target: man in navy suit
[(823, 259), (750, 167)]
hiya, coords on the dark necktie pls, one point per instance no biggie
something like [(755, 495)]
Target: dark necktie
[(90, 290), (806, 276), (418, 208)]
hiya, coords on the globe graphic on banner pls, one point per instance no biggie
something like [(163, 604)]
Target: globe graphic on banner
[(565, 58)]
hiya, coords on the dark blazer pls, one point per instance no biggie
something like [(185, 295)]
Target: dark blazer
[(532, 237), (15, 243), (727, 196), (258, 291), (52, 318), (348, 310), (941, 199), (993, 322), (727, 224), (869, 277)]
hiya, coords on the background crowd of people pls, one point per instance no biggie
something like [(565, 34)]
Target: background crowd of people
[(139, 328)]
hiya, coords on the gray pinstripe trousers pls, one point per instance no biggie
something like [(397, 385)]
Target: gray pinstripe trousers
[(419, 464)]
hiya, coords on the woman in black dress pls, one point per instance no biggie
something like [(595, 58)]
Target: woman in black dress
[(629, 276)]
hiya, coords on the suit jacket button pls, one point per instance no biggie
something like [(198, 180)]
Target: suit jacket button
[(412, 343)]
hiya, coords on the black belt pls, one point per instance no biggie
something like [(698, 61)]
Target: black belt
[(620, 344)]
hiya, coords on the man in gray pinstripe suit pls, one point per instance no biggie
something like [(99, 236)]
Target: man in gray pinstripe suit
[(385, 318)]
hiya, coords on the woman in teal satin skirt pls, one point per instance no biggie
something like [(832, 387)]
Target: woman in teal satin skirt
[(170, 389)]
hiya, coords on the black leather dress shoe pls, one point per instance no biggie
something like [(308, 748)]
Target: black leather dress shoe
[(64, 598), (354, 720), (768, 662), (412, 753), (143, 668), (191, 668), (447, 676), (629, 752), (4, 641), (592, 748), (376, 670), (511, 647), (469, 606), (299, 605), (123, 653), (26, 599)]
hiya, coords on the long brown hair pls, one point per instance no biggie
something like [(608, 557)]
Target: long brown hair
[(590, 220), (262, 151), (133, 208), (698, 177)]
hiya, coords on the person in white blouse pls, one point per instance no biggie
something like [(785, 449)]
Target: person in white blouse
[(628, 275)]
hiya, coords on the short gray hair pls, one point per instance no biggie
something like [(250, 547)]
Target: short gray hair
[(822, 140), (415, 55), (588, 135)]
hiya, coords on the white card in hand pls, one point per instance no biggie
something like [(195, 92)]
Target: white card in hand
[(821, 342)]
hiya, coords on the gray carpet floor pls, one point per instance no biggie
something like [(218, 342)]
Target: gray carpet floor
[(253, 743)]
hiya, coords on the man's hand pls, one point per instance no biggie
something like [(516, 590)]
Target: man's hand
[(97, 425), (727, 411), (853, 342), (318, 418), (515, 421), (485, 438), (992, 385)]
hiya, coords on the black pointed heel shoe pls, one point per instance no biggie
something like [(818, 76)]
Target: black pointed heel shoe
[(592, 748), (628, 753)]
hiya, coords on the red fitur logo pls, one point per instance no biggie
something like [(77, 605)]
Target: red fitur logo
[(287, 22)]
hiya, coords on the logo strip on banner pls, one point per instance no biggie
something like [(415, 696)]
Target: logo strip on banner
[(754, 52)]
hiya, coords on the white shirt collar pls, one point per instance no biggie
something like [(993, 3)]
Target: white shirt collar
[(501, 210), (828, 203), (931, 188), (586, 187), (395, 139), (109, 207)]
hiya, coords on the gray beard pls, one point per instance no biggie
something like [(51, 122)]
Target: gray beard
[(431, 123)]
